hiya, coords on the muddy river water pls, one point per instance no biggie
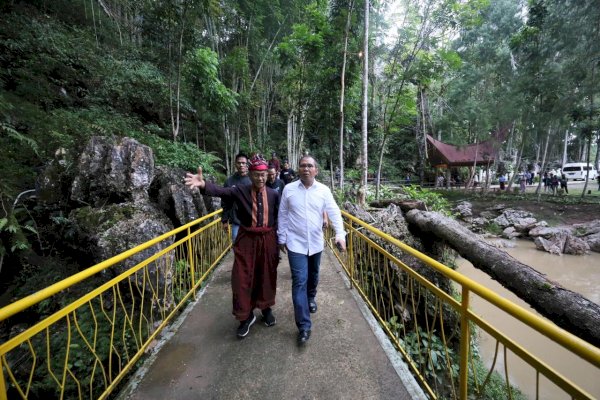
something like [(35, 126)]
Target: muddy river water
[(577, 273)]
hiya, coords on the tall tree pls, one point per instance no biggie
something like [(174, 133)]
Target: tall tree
[(362, 190)]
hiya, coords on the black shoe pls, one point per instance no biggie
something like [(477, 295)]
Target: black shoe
[(312, 306), (268, 317), (244, 327), (303, 337)]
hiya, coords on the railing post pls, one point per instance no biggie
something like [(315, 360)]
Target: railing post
[(3, 395), (191, 259), (465, 344), (350, 257)]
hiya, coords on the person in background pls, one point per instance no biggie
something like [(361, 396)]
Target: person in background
[(502, 181), (440, 181), (407, 180), (546, 181), (300, 233), (240, 177), (273, 181), (598, 179), (563, 183), (254, 274), (274, 161), (287, 175), (522, 182), (553, 183)]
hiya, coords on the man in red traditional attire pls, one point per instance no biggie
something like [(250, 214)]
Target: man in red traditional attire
[(254, 275)]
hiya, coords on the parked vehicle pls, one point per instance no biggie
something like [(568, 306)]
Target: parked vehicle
[(576, 171)]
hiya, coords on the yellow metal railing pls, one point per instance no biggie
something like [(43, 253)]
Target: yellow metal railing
[(432, 325), (86, 348)]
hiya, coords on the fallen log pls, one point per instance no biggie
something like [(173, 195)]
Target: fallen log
[(567, 309)]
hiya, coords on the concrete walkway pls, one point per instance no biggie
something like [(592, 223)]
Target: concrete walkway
[(344, 359)]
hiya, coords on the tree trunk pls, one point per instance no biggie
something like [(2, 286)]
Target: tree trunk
[(598, 153), (362, 190), (518, 164), (421, 133), (538, 190), (564, 157), (569, 310), (587, 174), (295, 137), (342, 94)]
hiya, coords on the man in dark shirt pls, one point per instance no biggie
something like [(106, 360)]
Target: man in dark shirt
[(273, 181), (254, 275), (287, 174), (240, 177)]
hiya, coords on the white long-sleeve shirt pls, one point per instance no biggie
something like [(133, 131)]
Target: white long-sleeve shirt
[(300, 220)]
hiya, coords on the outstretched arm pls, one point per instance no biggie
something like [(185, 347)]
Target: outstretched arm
[(195, 180)]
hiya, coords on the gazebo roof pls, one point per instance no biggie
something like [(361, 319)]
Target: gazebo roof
[(450, 155)]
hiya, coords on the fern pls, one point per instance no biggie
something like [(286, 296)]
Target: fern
[(19, 137)]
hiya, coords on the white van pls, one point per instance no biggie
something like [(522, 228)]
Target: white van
[(579, 171)]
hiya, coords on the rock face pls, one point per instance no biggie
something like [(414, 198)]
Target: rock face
[(111, 171), (181, 204), (118, 200)]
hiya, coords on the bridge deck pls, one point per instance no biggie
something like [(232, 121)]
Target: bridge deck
[(343, 359)]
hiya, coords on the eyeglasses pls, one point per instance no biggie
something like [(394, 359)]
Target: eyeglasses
[(306, 166)]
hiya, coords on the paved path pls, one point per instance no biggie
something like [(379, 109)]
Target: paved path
[(342, 360)]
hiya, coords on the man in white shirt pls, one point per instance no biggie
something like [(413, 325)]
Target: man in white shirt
[(300, 234)]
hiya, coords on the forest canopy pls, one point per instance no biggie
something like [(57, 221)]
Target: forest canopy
[(201, 80)]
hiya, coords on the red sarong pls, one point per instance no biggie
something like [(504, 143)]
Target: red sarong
[(254, 275)]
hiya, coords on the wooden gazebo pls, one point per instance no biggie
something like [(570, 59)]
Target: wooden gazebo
[(445, 156)]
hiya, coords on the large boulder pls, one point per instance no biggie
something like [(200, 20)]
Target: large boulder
[(587, 228), (511, 217), (114, 228), (511, 233), (110, 230), (553, 245), (525, 225), (547, 232), (593, 242), (464, 210), (177, 201), (576, 246), (113, 171)]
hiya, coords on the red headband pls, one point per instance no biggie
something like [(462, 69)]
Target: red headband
[(258, 163)]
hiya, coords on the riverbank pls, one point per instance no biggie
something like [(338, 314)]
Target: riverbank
[(555, 210)]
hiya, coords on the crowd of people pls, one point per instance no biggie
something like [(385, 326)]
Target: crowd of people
[(272, 210), (550, 180)]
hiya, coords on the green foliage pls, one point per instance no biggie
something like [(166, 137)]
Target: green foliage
[(19, 138), (175, 154), (202, 73), (385, 192), (427, 351), (433, 200), (494, 228), (495, 388), (132, 86)]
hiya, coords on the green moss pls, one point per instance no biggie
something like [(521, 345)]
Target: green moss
[(494, 228), (91, 219)]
